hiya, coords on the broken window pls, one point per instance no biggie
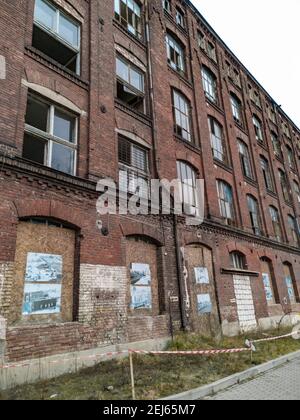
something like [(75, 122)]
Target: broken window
[(130, 85), (225, 196), (134, 168), (167, 5), (254, 214), (276, 223), (175, 54), (50, 136), (209, 82), (56, 35), (236, 106), (293, 230), (188, 193), (258, 129), (267, 174), (182, 116), (180, 20), (128, 13), (217, 140), (245, 159)]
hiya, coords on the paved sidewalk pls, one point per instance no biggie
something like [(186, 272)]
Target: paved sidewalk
[(281, 383)]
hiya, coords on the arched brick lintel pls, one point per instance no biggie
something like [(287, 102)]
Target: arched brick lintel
[(49, 209), (139, 229)]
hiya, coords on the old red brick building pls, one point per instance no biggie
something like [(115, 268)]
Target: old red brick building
[(93, 88)]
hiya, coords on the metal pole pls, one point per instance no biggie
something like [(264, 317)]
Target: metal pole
[(132, 376)]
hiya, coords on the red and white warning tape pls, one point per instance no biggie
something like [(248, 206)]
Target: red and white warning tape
[(273, 338), (190, 353), (127, 352)]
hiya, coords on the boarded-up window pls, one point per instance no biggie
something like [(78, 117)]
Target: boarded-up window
[(269, 282)]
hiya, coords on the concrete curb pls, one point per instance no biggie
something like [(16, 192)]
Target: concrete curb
[(209, 390)]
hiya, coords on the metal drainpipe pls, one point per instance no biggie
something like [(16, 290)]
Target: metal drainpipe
[(156, 161)]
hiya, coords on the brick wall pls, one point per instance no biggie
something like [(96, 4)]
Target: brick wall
[(98, 298)]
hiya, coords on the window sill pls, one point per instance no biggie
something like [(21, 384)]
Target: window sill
[(240, 127), (131, 111), (262, 144), (241, 272), (137, 40), (214, 105), (181, 75), (251, 181), (188, 144), (234, 84), (223, 165), (272, 194), (54, 65)]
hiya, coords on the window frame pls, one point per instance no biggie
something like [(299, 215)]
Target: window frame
[(49, 136), (258, 127), (138, 32), (188, 117), (245, 158), (293, 228), (276, 223), (267, 174), (55, 34), (210, 85), (178, 49), (189, 186), (223, 202), (131, 169), (216, 140), (237, 110), (255, 216)]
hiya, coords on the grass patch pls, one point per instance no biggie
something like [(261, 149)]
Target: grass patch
[(156, 376)]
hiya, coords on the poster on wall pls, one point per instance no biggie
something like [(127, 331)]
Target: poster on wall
[(141, 296), (202, 276), (204, 304), (268, 288), (43, 278), (290, 288)]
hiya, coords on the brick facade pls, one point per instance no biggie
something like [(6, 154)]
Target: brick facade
[(38, 202)]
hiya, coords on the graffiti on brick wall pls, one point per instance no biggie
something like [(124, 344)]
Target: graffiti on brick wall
[(141, 297), (43, 278)]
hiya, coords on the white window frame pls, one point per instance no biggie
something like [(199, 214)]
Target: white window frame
[(55, 34), (49, 136)]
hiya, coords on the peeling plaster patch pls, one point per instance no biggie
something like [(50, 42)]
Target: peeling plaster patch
[(2, 67)]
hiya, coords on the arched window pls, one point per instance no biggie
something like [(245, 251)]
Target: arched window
[(258, 129), (209, 81), (225, 196), (297, 190), (45, 271), (188, 176), (237, 109), (293, 230), (269, 282), (175, 53), (254, 213), (128, 13), (276, 145), (291, 158), (182, 116), (267, 173), (217, 140), (291, 283), (284, 186), (274, 213), (245, 159), (238, 260)]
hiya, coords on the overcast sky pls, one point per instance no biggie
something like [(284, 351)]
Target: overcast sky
[(264, 35)]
